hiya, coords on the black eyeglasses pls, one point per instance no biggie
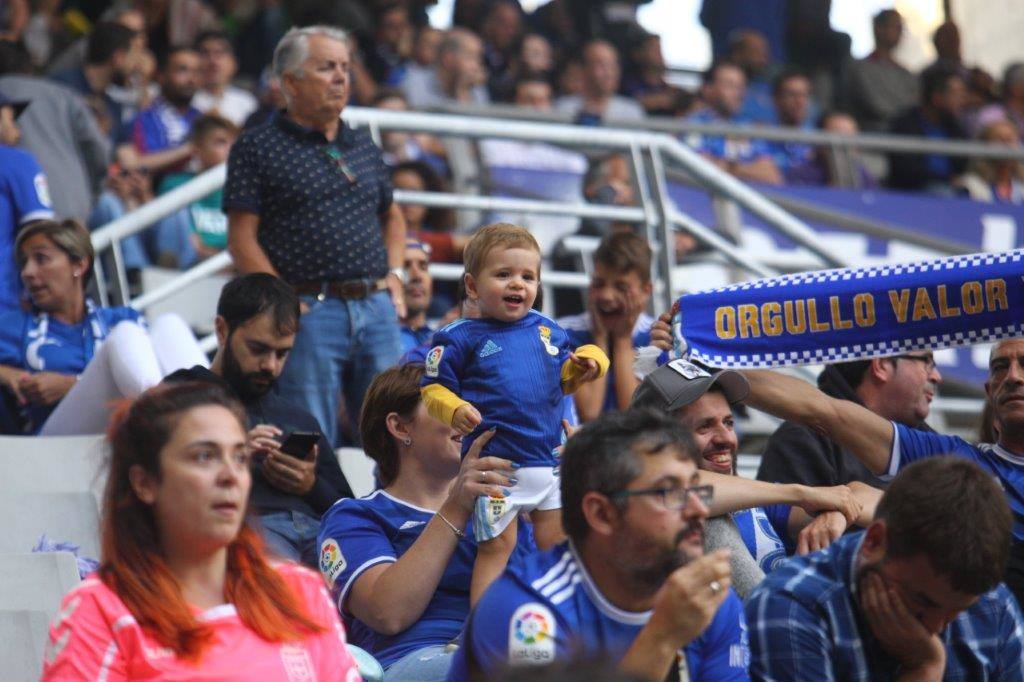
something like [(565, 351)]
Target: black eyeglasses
[(673, 499), (927, 360)]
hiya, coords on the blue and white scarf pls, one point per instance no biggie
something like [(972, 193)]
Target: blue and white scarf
[(855, 313)]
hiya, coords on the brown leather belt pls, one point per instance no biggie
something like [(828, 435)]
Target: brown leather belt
[(348, 289)]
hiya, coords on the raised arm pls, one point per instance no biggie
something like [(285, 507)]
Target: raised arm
[(734, 492), (858, 429), (391, 597)]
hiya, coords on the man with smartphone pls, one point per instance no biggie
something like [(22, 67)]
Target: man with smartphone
[(296, 476)]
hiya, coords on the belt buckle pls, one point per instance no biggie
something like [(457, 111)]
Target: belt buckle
[(352, 289)]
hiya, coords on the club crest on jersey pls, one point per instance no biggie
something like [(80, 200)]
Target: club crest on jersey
[(545, 338), (432, 363), (531, 635), (495, 508), (332, 561)]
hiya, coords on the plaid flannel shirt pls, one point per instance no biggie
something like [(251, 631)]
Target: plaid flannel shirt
[(805, 624)]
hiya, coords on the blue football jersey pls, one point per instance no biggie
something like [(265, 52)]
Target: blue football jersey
[(548, 608), (38, 343), (911, 445), (762, 530), (356, 534), (511, 372), (578, 329), (729, 148), (24, 196)]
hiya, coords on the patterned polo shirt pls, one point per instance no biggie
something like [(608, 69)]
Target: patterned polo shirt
[(319, 202), (805, 624)]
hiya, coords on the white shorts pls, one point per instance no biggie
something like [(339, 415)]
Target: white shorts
[(538, 488)]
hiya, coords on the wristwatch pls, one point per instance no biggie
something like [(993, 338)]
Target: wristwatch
[(400, 274)]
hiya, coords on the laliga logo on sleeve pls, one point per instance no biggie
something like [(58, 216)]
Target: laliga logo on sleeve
[(531, 635), (545, 338), (432, 364), (332, 562)]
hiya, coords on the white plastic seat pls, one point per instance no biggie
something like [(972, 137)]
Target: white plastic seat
[(358, 469), (31, 588), (71, 517), (53, 464)]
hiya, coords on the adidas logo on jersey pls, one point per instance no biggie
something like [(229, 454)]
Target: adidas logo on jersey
[(490, 348), (411, 524)]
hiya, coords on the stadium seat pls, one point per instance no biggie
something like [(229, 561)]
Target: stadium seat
[(358, 469), (195, 303), (31, 587), (65, 516), (53, 464)]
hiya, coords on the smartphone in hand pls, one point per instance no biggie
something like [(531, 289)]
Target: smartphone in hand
[(300, 444)]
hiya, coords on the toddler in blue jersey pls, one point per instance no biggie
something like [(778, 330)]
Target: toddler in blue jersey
[(508, 371)]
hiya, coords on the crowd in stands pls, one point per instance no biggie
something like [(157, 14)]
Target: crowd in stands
[(547, 492)]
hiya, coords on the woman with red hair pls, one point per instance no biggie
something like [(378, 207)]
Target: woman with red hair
[(183, 591)]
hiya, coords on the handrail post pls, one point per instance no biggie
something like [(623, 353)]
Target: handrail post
[(101, 281), (119, 270), (729, 222), (667, 253)]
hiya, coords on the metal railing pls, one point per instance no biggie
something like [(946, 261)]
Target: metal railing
[(649, 152), (873, 142)]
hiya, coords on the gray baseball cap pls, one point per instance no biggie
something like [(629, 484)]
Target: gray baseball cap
[(680, 383)]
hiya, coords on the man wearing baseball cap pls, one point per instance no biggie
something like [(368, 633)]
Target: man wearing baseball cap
[(774, 526)]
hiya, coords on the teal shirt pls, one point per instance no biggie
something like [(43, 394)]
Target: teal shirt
[(206, 218)]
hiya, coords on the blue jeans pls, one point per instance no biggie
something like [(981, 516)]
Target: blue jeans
[(429, 664), (341, 346), (291, 535)]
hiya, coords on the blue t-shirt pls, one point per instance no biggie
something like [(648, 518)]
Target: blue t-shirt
[(24, 196), (412, 338), (511, 372), (162, 126), (730, 148), (938, 165), (796, 160), (37, 343), (578, 329), (911, 445), (762, 530), (378, 529), (548, 608)]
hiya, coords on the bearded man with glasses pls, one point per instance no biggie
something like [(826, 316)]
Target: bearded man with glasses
[(632, 585)]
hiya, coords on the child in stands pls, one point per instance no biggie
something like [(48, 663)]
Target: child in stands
[(508, 372)]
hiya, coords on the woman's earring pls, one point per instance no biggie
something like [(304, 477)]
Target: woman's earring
[(407, 442)]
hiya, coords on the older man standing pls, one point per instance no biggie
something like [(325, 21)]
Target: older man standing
[(309, 199)]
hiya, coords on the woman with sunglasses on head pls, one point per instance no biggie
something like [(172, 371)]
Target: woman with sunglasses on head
[(64, 358), (184, 591)]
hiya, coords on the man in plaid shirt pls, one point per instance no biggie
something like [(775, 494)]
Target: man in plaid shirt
[(914, 597)]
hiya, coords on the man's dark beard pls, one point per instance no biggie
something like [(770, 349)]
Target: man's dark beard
[(240, 381), (654, 575), (178, 99)]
